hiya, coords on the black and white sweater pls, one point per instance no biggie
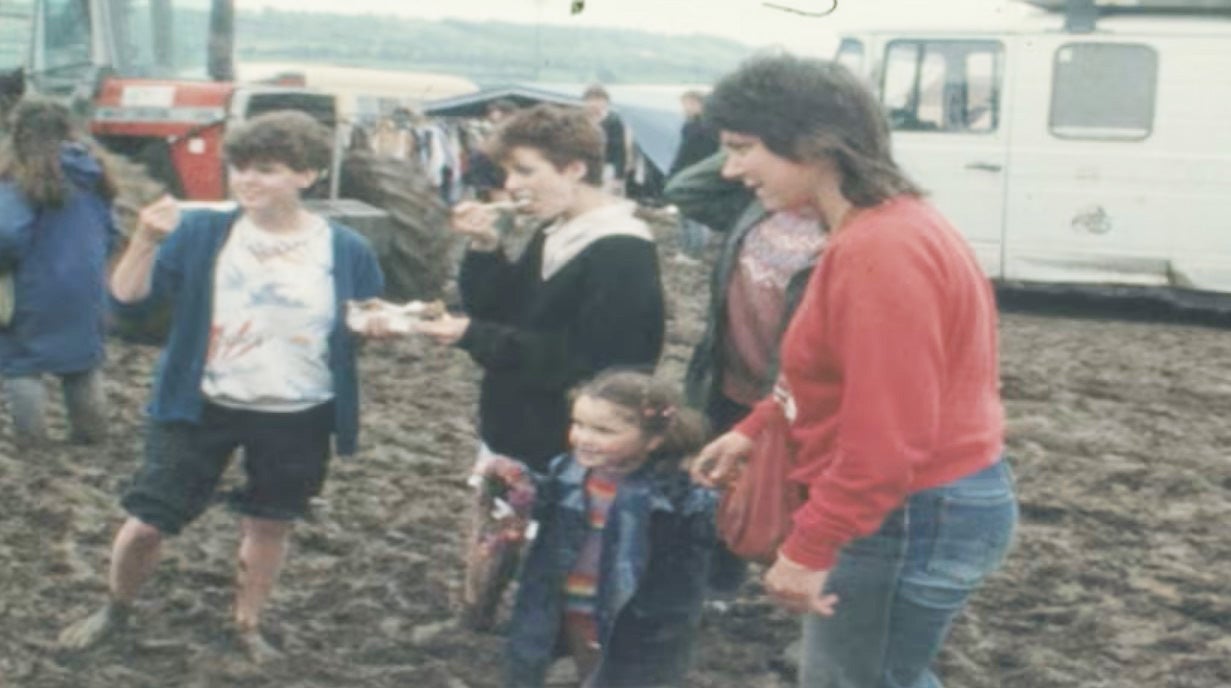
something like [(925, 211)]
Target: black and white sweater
[(537, 338)]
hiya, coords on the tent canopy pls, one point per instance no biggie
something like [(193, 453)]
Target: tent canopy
[(651, 112)]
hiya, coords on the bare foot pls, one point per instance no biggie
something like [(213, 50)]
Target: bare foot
[(258, 649), (91, 630)]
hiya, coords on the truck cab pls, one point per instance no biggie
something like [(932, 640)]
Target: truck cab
[(1087, 148)]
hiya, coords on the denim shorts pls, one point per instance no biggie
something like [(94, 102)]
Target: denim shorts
[(286, 456)]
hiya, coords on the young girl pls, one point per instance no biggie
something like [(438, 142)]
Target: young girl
[(616, 574), (55, 235)]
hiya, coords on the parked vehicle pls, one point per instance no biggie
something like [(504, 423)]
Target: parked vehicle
[(154, 81), (1086, 144)]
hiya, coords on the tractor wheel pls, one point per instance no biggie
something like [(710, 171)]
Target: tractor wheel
[(416, 259), (136, 187)]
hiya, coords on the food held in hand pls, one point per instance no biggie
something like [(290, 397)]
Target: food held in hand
[(399, 318)]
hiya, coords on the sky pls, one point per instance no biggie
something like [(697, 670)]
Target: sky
[(748, 21)]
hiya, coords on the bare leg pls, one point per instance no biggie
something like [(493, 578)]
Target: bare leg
[(134, 555), (262, 550)]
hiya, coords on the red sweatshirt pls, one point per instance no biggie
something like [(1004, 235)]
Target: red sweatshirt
[(889, 374)]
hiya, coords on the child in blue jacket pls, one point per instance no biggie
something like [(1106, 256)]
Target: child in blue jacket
[(56, 232), (615, 576)]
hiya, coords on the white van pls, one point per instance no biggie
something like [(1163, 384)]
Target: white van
[(1082, 157)]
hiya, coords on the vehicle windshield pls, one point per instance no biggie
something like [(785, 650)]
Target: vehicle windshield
[(15, 22), (156, 39), (161, 38)]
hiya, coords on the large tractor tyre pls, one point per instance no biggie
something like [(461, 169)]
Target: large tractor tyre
[(135, 190), (415, 258)]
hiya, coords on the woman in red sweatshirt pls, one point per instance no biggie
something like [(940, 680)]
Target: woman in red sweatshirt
[(889, 382)]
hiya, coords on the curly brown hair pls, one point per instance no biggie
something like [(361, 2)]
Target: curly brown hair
[(290, 137), (562, 134)]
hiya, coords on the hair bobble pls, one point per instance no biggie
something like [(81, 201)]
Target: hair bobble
[(665, 412)]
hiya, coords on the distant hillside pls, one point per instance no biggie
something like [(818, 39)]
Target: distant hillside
[(486, 52)]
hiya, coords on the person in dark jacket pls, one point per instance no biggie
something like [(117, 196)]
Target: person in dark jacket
[(616, 573), (258, 357), (56, 232), (755, 288), (698, 141), (585, 295), (615, 142)]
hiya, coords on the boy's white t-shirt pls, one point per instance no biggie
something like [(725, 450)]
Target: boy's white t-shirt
[(274, 307)]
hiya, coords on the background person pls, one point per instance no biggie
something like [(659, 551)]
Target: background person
[(258, 356), (697, 142), (56, 232), (889, 382), (615, 139), (485, 176), (755, 287)]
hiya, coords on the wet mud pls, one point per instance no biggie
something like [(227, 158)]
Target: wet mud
[(1118, 432)]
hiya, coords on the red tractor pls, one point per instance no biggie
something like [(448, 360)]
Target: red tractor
[(154, 81)]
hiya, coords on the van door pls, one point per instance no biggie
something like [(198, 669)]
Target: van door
[(1092, 179), (945, 99)]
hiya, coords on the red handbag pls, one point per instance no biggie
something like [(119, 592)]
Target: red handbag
[(755, 513)]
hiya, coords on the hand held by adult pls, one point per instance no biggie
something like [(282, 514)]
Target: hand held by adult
[(798, 588), (720, 462), (477, 222)]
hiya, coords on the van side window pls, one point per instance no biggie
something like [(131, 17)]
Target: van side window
[(943, 86), (1103, 91), (850, 55)]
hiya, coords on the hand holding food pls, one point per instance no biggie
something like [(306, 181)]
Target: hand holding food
[(476, 221), (379, 318)]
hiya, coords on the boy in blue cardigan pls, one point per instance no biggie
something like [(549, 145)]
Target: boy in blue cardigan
[(258, 357)]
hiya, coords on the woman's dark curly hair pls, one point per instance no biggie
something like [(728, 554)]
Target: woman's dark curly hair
[(562, 134), (809, 110)]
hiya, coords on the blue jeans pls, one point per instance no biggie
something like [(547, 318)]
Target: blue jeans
[(900, 588)]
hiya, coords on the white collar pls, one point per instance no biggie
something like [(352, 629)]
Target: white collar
[(565, 239)]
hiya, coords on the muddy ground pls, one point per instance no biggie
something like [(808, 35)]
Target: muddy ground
[(1119, 434)]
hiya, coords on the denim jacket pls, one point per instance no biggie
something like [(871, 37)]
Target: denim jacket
[(184, 273), (655, 559)]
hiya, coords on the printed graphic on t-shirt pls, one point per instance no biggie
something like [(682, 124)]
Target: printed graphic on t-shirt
[(273, 312)]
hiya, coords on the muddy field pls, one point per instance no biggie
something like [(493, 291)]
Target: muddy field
[(1119, 434)]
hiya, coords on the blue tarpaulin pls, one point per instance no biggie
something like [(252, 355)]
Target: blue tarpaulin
[(651, 112)]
